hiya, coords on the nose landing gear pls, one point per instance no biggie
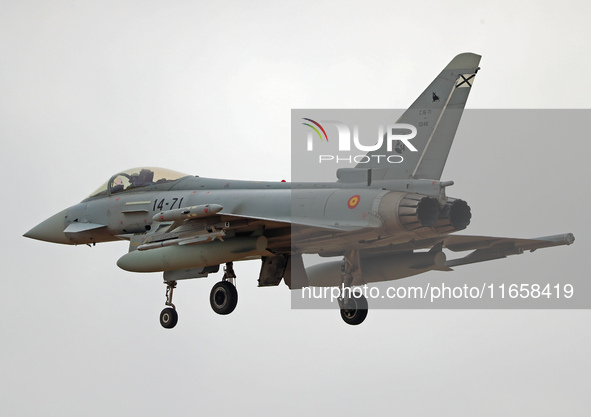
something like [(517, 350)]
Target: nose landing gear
[(169, 317), (223, 298)]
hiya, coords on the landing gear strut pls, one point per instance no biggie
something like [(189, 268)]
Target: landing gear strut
[(224, 297), (169, 317)]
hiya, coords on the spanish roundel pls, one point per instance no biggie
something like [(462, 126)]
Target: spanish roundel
[(354, 201)]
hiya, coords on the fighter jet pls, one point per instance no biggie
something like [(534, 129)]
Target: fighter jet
[(383, 221)]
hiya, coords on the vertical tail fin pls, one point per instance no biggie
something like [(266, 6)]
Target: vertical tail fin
[(436, 114)]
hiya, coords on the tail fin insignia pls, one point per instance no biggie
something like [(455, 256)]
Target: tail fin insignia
[(436, 115)]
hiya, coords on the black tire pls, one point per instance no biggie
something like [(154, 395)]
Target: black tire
[(169, 318), (356, 310), (223, 297)]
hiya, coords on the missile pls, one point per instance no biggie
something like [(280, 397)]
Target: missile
[(194, 212), (171, 258), (201, 238)]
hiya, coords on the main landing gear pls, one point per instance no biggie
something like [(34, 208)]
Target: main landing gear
[(352, 302), (223, 298)]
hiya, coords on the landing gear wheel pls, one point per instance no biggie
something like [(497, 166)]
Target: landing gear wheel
[(168, 318), (355, 311), (223, 297)]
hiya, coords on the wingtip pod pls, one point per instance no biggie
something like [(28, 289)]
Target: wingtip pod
[(557, 240), (570, 238), (466, 60)]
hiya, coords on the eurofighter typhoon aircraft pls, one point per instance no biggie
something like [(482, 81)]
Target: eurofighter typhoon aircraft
[(384, 221)]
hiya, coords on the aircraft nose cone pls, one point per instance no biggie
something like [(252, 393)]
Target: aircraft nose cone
[(50, 230)]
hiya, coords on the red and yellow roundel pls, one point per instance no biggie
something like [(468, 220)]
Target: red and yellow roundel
[(353, 201)]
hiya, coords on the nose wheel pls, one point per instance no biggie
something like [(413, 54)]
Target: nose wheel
[(169, 317)]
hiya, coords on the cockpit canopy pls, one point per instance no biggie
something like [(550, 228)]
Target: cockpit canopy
[(135, 178)]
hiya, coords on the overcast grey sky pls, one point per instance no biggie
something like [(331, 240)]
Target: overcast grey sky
[(90, 88)]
